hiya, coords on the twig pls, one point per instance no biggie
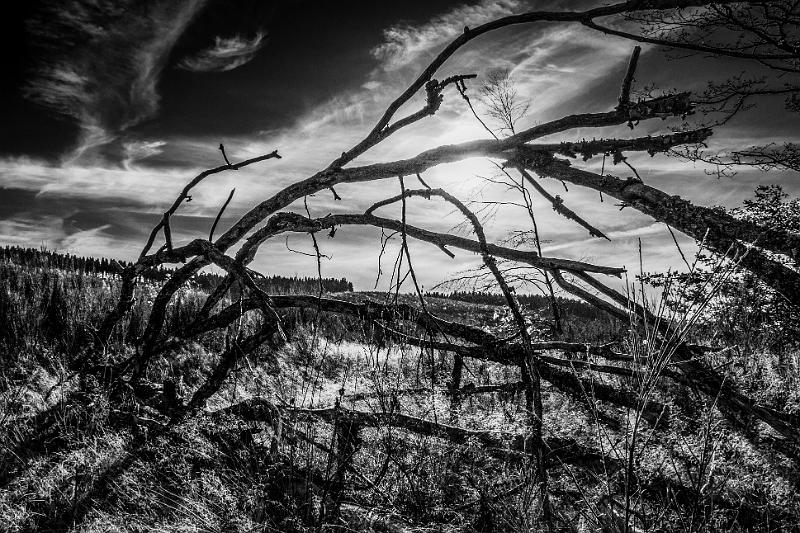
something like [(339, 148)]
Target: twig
[(184, 194), (225, 157), (423, 181), (678, 246), (560, 208), (219, 214), (462, 89)]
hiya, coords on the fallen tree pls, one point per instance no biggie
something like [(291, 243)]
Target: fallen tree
[(753, 245)]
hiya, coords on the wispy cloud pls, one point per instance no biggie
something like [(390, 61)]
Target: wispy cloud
[(102, 61), (92, 242), (50, 232), (404, 44), (114, 185), (30, 232), (137, 150), (227, 54), (560, 67), (642, 231)]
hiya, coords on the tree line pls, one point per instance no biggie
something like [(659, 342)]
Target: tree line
[(47, 259), (569, 306)]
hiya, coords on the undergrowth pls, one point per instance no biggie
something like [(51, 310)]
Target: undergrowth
[(77, 458)]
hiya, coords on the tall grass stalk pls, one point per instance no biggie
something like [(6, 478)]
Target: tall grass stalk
[(658, 327)]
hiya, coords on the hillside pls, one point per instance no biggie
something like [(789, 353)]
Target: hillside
[(33, 258), (232, 467)]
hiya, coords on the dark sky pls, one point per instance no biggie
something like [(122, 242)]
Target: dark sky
[(28, 128), (110, 106), (311, 51)]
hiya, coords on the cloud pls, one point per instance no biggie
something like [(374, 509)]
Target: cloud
[(227, 54), (112, 185), (95, 242), (30, 232), (564, 69), (642, 231), (403, 44), (50, 232), (137, 150), (371, 85), (101, 61)]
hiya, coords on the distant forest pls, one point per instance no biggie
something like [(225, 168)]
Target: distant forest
[(575, 308), (31, 257)]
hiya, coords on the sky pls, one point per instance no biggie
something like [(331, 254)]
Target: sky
[(110, 106)]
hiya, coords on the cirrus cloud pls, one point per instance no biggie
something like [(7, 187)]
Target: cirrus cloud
[(227, 54), (404, 44), (101, 63)]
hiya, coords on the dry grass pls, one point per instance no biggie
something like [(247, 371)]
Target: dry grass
[(75, 460)]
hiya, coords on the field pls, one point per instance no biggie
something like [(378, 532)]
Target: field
[(354, 427)]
